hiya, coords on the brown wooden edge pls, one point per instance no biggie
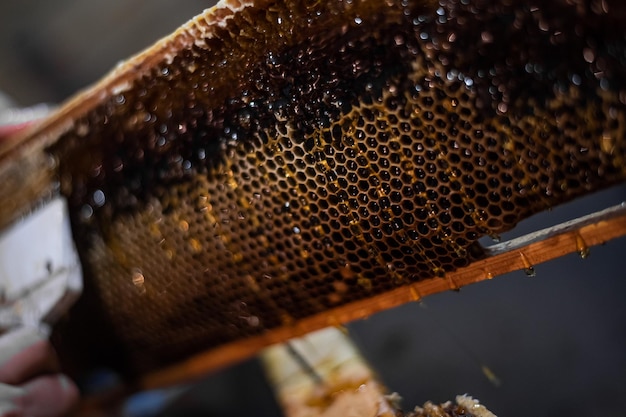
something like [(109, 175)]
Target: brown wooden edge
[(518, 254), (27, 173)]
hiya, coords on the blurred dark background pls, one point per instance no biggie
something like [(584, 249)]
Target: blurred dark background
[(556, 341)]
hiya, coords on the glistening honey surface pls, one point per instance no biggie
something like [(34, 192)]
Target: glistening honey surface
[(251, 182)]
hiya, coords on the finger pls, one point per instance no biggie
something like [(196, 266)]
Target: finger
[(6, 131), (24, 354), (48, 396), (17, 340), (9, 398)]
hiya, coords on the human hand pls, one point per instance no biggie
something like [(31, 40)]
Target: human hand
[(29, 383)]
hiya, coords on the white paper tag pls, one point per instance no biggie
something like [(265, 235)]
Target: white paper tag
[(39, 266)]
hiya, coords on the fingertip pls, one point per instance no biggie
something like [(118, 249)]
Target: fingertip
[(69, 389), (37, 358), (17, 340), (50, 395)]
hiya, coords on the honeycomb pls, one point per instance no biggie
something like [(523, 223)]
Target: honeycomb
[(299, 156)]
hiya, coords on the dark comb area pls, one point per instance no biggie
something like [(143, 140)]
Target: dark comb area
[(301, 158)]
